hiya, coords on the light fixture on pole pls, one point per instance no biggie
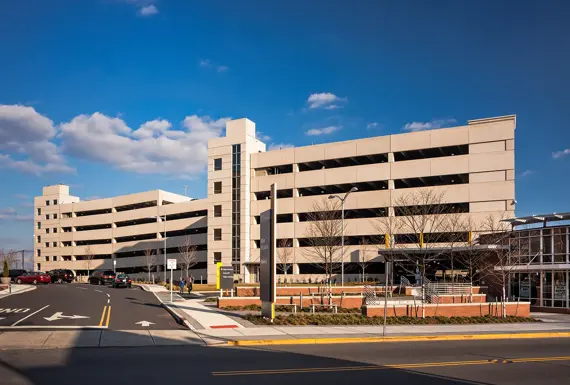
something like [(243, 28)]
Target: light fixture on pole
[(342, 200), (163, 217)]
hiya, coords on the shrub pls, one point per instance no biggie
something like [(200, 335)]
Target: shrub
[(358, 319), (6, 272)]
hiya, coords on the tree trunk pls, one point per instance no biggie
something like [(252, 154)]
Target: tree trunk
[(504, 305)]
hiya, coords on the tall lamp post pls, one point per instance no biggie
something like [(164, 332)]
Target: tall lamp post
[(163, 217), (342, 200)]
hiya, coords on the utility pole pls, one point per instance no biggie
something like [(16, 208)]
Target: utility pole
[(185, 187)]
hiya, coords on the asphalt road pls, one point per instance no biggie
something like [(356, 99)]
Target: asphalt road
[(443, 363), (80, 305)]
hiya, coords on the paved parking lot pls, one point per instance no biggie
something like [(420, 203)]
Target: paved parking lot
[(73, 306)]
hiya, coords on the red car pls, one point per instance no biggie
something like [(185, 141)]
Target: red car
[(34, 277)]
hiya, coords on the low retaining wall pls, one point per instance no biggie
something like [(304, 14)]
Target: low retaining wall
[(352, 302), (449, 298), (521, 309), (245, 291)]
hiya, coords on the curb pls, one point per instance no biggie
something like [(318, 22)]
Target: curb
[(180, 319), (18, 292), (453, 337)]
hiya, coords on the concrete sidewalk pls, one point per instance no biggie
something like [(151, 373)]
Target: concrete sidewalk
[(16, 289), (198, 316), (287, 335), (61, 339)]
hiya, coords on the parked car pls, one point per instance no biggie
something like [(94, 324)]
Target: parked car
[(34, 277), (122, 280), (15, 273), (61, 275), (102, 277)]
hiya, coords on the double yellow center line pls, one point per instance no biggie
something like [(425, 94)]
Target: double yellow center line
[(105, 321), (391, 366)]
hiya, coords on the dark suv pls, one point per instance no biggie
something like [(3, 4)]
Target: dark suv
[(61, 275), (102, 277), (15, 273)]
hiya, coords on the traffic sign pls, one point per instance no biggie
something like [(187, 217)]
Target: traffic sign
[(171, 264)]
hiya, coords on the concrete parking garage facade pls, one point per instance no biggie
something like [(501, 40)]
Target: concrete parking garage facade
[(471, 165)]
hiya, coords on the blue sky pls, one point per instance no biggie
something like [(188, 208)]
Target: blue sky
[(120, 96)]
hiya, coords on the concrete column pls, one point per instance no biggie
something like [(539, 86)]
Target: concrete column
[(390, 157), (391, 184)]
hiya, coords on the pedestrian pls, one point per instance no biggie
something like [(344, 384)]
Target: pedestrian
[(190, 281), (181, 284)]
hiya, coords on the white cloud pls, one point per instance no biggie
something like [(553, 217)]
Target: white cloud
[(422, 126), (527, 173), (11, 214), (21, 196), (26, 142), (279, 146), (325, 100), (148, 10), (91, 198), (262, 137), (372, 125), (153, 129), (561, 154), (207, 63), (322, 131), (154, 148)]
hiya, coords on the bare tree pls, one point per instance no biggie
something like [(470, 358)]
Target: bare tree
[(149, 261), (504, 253), (454, 227), (323, 236), (9, 256), (88, 258), (473, 255), (285, 254), (364, 257), (417, 231), (187, 254)]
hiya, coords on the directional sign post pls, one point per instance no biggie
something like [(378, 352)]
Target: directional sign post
[(267, 261), (171, 264)]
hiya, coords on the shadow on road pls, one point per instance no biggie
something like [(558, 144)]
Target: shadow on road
[(184, 360)]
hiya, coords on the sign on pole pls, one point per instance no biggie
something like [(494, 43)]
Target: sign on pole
[(267, 259), (171, 264), (226, 277), (218, 267)]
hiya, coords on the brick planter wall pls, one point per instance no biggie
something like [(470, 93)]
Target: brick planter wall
[(474, 298), (245, 291), (353, 302), (521, 309)]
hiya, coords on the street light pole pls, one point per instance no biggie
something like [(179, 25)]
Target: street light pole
[(161, 217), (342, 200), (165, 250)]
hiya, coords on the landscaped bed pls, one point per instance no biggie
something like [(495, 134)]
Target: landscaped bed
[(358, 319)]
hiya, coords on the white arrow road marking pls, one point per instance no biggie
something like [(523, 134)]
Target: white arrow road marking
[(59, 315), (144, 323), (1, 318), (99, 291)]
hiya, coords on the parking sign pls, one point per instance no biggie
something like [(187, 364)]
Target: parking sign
[(171, 264)]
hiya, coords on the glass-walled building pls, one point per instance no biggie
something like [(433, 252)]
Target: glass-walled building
[(541, 273)]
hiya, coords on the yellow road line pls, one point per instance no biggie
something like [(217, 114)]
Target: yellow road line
[(353, 340), (102, 316), (389, 366), (108, 316)]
